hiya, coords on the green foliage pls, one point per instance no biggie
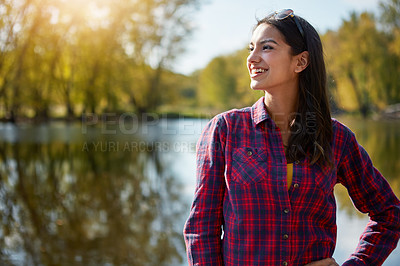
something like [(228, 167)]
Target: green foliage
[(64, 58), (353, 63), (87, 56), (216, 84), (390, 20), (237, 66), (361, 63), (224, 83), (390, 11)]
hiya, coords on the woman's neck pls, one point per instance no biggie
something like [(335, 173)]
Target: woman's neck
[(282, 110)]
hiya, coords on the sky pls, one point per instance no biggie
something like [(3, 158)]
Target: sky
[(224, 26)]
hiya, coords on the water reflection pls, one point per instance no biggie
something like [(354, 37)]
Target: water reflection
[(75, 203), (110, 195)]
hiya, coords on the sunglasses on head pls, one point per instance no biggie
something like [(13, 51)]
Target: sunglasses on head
[(285, 13)]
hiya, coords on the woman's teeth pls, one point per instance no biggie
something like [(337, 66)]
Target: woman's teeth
[(259, 70)]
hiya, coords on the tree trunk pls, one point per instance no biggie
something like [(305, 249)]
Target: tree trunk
[(363, 106)]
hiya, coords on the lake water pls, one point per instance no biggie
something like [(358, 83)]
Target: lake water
[(119, 193)]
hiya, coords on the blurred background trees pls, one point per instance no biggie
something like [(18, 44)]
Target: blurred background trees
[(363, 61), (62, 58), (70, 56)]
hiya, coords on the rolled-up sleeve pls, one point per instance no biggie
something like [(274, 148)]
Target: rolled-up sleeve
[(202, 231), (370, 193)]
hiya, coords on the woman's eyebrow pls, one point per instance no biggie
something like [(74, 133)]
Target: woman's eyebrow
[(268, 40), (265, 41)]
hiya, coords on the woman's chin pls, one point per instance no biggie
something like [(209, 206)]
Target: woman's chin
[(257, 88)]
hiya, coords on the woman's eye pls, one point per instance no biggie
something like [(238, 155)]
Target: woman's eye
[(265, 47)]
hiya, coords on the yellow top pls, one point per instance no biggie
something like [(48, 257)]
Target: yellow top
[(289, 174)]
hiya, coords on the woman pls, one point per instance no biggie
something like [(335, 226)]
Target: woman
[(265, 174)]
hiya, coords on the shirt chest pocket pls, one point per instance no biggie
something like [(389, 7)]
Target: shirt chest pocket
[(249, 165)]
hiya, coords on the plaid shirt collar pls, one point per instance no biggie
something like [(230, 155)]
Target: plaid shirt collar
[(259, 112)]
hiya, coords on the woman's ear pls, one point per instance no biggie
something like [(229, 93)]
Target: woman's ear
[(303, 60)]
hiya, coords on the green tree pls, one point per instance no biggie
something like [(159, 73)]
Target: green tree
[(237, 66), (88, 56), (224, 83), (356, 67), (16, 48), (217, 86), (157, 32), (390, 20)]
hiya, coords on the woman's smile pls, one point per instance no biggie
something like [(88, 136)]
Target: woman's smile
[(256, 72)]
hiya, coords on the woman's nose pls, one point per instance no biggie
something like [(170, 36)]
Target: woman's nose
[(253, 57)]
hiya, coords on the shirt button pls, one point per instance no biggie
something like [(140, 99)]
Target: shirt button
[(296, 185), (285, 263), (249, 153), (286, 211), (285, 236)]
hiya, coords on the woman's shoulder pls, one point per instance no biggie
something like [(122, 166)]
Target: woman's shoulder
[(338, 125), (341, 130), (246, 113), (233, 114)]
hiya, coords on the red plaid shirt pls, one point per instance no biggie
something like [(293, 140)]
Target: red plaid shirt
[(244, 214)]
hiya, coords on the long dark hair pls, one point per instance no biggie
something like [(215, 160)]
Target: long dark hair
[(311, 128)]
